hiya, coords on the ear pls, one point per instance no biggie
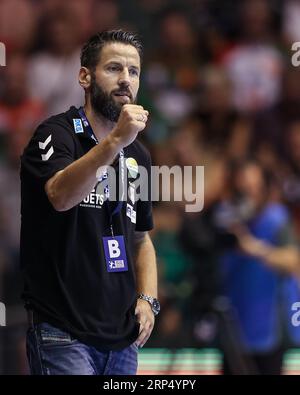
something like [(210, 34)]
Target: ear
[(84, 77)]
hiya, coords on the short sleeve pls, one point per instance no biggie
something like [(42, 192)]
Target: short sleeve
[(144, 220), (51, 149)]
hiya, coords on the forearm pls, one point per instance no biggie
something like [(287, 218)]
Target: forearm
[(146, 270), (71, 185), (286, 259)]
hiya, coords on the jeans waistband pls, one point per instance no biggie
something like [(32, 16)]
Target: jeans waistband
[(33, 318)]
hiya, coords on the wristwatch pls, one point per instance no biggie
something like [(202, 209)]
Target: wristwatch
[(154, 303)]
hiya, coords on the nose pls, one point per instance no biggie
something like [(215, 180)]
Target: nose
[(124, 77)]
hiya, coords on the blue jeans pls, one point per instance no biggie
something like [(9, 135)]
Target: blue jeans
[(51, 351)]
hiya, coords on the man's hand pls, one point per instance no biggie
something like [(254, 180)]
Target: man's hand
[(145, 317), (132, 120)]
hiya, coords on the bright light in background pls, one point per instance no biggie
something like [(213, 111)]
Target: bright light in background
[(189, 361), (2, 55), (192, 361), (2, 314)]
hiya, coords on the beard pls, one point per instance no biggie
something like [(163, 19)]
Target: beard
[(104, 104)]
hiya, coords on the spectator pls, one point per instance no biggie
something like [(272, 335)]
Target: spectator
[(172, 69), (17, 25), (19, 112), (255, 65), (52, 71), (260, 278), (174, 277)]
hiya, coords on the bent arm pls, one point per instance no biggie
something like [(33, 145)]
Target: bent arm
[(71, 185), (68, 187), (284, 258)]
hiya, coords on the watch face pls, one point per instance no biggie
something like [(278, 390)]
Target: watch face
[(156, 306)]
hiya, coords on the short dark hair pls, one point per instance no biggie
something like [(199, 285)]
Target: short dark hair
[(91, 50)]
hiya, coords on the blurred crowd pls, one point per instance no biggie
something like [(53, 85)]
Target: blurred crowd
[(222, 93)]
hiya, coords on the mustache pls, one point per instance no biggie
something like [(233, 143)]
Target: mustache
[(122, 91)]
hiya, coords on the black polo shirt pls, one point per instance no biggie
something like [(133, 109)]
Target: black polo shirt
[(62, 256)]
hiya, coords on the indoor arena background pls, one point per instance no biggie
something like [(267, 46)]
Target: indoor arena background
[(220, 85)]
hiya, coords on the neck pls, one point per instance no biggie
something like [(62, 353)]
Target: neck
[(100, 125)]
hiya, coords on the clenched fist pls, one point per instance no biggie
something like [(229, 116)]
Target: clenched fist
[(132, 120)]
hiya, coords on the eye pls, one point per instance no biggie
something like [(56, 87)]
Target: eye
[(134, 72), (113, 68)]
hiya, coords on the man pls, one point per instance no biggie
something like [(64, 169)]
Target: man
[(89, 265), (260, 271)]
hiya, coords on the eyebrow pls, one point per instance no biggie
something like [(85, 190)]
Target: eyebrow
[(115, 62), (135, 67)]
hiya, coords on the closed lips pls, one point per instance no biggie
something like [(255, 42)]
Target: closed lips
[(122, 94)]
